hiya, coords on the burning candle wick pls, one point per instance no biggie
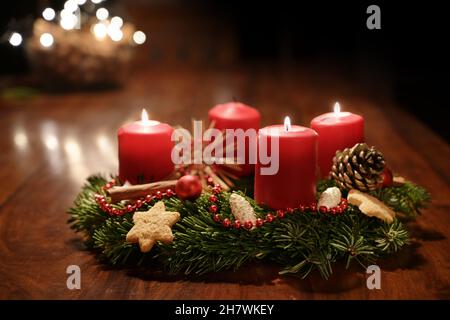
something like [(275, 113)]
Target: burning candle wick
[(337, 108), (287, 124), (144, 117)]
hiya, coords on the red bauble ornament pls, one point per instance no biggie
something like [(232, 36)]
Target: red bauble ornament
[(188, 187), (388, 178)]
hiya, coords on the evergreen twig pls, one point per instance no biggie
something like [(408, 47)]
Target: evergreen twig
[(300, 243)]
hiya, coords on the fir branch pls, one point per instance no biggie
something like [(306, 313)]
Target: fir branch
[(300, 243), (86, 216), (407, 198), (391, 237)]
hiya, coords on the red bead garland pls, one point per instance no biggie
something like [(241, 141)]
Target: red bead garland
[(270, 217), (130, 208), (213, 208)]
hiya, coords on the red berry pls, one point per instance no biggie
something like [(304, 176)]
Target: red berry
[(169, 193), (158, 195), (114, 211), (269, 217), (113, 181), (130, 208), (216, 218), (344, 201), (148, 198), (313, 207), (213, 208), (102, 201), (323, 209), (210, 181), (281, 213), (333, 211), (236, 224), (301, 208), (290, 210), (213, 198), (226, 223), (108, 185), (259, 222), (248, 225), (138, 203)]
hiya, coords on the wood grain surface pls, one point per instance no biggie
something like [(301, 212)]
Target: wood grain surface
[(51, 142)]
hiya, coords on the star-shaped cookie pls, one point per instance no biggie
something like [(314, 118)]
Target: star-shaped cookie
[(151, 226)]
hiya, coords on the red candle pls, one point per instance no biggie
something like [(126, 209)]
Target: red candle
[(236, 115), (145, 151), (295, 182), (337, 130)]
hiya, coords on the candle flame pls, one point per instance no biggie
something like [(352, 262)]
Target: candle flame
[(337, 108), (144, 116), (287, 124)]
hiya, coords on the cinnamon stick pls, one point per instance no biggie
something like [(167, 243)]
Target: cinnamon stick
[(139, 191)]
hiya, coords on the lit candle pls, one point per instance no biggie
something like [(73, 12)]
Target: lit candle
[(337, 130), (295, 182), (145, 151), (236, 115)]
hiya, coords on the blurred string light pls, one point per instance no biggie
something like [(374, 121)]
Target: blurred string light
[(139, 37), (102, 14), (117, 22), (48, 14), (15, 39), (46, 40), (68, 20), (71, 6), (115, 33), (100, 30)]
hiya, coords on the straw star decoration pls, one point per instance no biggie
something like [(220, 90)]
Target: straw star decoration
[(151, 226)]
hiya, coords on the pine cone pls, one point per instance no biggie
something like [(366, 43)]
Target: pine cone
[(359, 167)]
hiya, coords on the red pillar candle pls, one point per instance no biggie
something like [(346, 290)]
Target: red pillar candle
[(295, 182), (236, 115), (337, 130), (145, 151)]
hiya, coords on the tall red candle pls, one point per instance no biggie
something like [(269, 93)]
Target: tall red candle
[(295, 182), (145, 151), (236, 115), (337, 130)]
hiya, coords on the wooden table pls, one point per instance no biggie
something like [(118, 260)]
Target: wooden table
[(50, 143)]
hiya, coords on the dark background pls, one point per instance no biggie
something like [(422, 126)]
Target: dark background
[(406, 59)]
